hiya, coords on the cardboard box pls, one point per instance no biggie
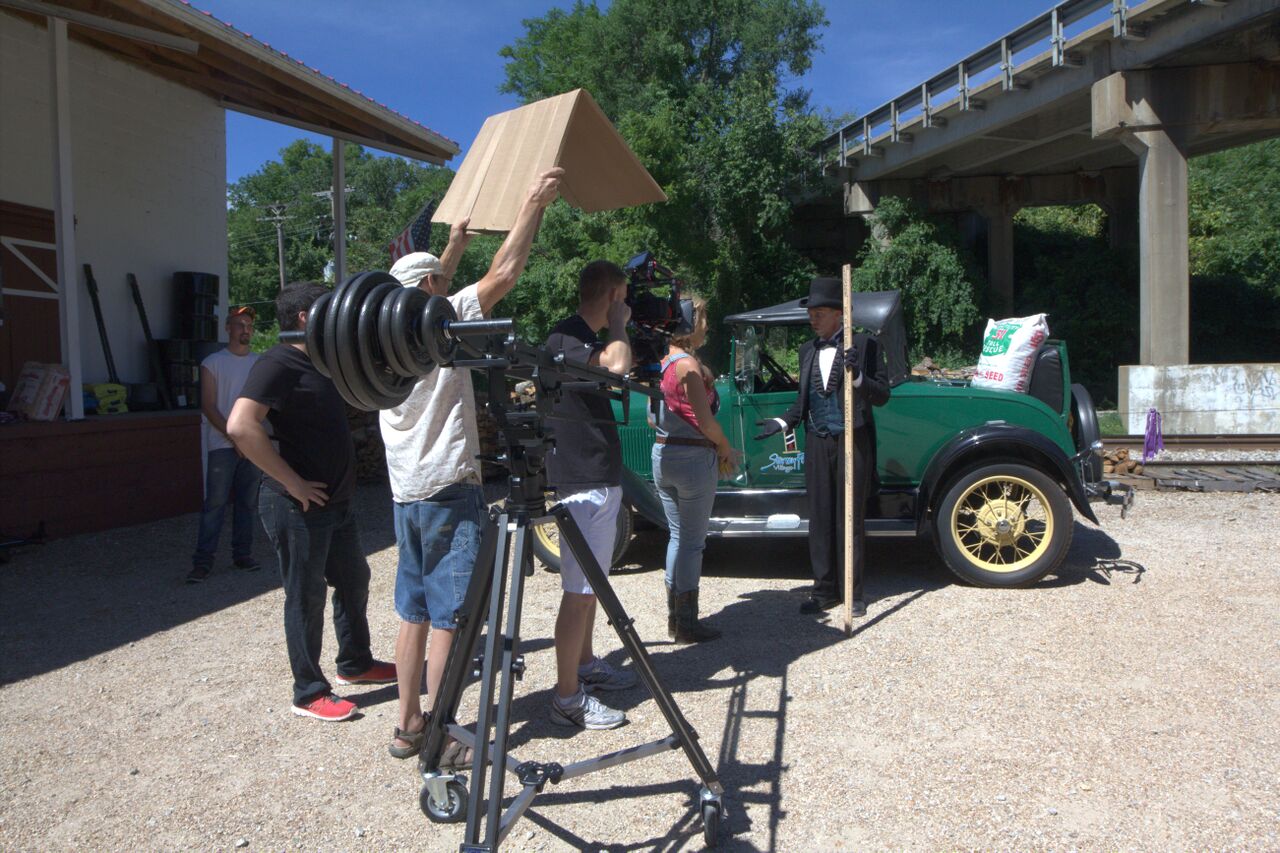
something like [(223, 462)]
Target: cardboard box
[(513, 148), (41, 390)]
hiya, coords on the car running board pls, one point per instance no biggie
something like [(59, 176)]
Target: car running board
[(793, 525)]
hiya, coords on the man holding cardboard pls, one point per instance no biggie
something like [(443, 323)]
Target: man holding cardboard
[(820, 407), (432, 445)]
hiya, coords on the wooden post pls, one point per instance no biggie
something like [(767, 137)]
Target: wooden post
[(848, 455)]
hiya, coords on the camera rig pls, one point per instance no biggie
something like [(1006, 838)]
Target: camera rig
[(654, 318), (375, 339)]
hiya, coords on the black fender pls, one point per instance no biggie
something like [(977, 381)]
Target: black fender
[(642, 496), (998, 440)]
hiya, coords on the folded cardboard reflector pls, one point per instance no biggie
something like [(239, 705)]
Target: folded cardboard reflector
[(513, 148)]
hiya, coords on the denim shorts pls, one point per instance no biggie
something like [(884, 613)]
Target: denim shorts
[(438, 540)]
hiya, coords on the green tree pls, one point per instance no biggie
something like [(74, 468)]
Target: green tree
[(697, 88), (387, 193), (910, 253), (1066, 269)]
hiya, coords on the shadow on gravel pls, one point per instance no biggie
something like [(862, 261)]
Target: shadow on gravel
[(1094, 557), (764, 634), (78, 597)]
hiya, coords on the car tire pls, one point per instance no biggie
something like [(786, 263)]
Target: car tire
[(1085, 430), (546, 541), (1003, 525)]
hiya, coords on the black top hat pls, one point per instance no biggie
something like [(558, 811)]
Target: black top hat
[(824, 293)]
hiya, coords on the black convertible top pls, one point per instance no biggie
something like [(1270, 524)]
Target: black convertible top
[(879, 312)]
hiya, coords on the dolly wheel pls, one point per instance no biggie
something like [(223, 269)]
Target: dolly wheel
[(710, 823), (451, 811)]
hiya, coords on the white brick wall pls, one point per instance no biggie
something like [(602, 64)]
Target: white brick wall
[(149, 177)]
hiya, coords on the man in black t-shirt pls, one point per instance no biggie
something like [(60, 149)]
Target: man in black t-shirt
[(305, 504), (585, 469)]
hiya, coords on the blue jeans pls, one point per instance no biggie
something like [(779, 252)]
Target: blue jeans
[(319, 548), (686, 479), (438, 539), (228, 478)]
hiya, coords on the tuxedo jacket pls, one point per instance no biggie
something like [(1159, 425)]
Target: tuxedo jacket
[(873, 391)]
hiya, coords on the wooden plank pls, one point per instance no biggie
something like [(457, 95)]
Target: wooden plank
[(846, 291)]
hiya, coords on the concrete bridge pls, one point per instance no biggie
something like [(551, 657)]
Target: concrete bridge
[(1093, 101)]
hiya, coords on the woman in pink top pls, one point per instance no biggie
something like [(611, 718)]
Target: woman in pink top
[(690, 451)]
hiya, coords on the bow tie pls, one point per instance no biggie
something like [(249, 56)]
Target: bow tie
[(823, 343)]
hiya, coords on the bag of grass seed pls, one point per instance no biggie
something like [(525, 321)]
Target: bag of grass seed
[(1008, 347)]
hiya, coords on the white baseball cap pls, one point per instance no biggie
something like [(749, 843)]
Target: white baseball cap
[(415, 266)]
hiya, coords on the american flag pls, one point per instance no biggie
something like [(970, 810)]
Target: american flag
[(415, 237)]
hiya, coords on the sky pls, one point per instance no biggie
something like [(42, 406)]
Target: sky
[(438, 62)]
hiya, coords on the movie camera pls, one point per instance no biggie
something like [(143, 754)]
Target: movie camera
[(658, 311)]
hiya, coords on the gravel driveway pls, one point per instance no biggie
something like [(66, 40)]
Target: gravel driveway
[(1130, 702)]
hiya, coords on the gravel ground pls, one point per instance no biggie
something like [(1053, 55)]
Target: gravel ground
[(1128, 703)]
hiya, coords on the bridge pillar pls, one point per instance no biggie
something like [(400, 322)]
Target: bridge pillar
[(1164, 335), (1000, 257)]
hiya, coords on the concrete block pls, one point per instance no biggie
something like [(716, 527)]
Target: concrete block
[(1202, 399)]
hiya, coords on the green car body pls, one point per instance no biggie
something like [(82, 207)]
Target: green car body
[(950, 458)]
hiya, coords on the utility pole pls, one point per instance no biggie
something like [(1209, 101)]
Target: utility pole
[(338, 212), (277, 216)]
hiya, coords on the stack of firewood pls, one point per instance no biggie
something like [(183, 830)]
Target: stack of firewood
[(933, 371), (371, 456), (1118, 462)]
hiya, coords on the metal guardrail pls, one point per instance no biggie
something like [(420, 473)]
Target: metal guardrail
[(857, 135)]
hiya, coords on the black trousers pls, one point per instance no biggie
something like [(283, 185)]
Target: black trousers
[(824, 482), (319, 549)]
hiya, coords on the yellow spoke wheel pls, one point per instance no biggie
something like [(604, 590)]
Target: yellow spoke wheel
[(546, 539), (1003, 524)]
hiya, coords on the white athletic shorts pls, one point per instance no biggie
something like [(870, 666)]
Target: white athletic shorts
[(596, 512)]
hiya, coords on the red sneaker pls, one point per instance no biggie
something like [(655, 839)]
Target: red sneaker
[(327, 707), (380, 672)]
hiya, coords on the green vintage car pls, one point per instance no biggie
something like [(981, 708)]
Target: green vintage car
[(991, 475)]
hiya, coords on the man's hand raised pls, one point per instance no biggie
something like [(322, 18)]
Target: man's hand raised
[(546, 187), (458, 232)]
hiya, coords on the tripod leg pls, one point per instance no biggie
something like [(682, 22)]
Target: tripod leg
[(457, 667), (625, 626), (510, 652), (484, 710)]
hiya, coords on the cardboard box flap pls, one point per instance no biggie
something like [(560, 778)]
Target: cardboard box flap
[(513, 148)]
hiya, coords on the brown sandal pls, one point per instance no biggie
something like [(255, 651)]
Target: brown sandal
[(414, 739)]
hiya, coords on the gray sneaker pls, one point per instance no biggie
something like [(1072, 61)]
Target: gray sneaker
[(590, 713), (602, 676)]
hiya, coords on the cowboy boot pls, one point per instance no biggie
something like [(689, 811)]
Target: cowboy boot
[(671, 612), (688, 628)]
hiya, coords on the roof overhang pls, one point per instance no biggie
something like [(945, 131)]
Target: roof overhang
[(177, 42)]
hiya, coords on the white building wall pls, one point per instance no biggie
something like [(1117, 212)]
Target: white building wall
[(149, 177)]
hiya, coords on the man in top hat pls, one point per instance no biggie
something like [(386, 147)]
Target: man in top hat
[(820, 407)]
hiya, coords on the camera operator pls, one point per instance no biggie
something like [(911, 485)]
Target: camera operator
[(585, 469), (432, 445)]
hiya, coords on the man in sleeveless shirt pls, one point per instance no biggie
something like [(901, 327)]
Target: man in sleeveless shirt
[(229, 478)]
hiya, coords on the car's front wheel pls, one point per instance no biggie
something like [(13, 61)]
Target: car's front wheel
[(546, 540), (1003, 525)]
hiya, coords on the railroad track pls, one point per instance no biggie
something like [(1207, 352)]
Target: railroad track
[(1261, 441), (1205, 476)]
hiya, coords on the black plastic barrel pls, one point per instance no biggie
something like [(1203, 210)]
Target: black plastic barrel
[(196, 305)]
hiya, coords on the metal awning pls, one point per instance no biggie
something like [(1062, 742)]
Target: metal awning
[(178, 42)]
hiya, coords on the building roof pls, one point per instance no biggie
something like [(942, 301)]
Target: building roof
[(194, 49)]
